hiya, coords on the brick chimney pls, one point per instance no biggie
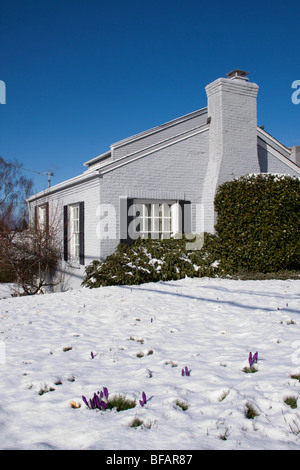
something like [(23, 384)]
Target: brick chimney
[(232, 134)]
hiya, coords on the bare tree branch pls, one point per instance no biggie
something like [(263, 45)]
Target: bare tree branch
[(14, 189)]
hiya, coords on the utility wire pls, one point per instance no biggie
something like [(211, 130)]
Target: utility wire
[(49, 173)]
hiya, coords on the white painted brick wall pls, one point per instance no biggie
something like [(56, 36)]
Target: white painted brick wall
[(176, 171), (276, 166)]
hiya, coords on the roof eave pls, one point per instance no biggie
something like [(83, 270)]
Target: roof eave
[(98, 158)]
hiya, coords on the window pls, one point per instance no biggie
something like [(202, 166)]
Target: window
[(74, 233), (154, 220), (42, 216)]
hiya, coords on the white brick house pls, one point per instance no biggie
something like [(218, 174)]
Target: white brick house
[(156, 183)]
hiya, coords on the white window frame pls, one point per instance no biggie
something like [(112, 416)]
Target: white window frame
[(42, 216), (156, 219), (74, 232)]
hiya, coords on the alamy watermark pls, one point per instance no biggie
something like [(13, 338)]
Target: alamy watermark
[(131, 223), (2, 92), (296, 93)]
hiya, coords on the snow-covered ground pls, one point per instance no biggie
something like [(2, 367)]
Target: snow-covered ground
[(208, 325)]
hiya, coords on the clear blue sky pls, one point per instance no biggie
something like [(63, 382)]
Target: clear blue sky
[(82, 74)]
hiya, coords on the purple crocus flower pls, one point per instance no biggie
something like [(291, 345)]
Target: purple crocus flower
[(96, 401), (250, 359), (144, 399), (253, 358), (103, 405), (85, 400), (92, 355), (185, 371)]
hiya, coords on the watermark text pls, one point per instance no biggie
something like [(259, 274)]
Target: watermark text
[(2, 92), (296, 93), (156, 222)]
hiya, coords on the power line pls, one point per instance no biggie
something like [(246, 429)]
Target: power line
[(49, 173)]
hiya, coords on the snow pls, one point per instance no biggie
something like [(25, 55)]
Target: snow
[(207, 325)]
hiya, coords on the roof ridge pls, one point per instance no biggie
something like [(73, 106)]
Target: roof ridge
[(160, 127)]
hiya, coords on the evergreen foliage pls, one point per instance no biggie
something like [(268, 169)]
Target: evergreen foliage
[(152, 261), (258, 223)]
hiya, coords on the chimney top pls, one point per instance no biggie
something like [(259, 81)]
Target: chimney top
[(237, 75)]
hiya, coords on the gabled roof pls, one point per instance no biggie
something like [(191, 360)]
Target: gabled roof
[(107, 166), (103, 156), (164, 126), (105, 163), (268, 138), (276, 148), (142, 135)]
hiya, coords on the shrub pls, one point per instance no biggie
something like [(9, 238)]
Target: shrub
[(31, 256), (152, 261), (258, 223)]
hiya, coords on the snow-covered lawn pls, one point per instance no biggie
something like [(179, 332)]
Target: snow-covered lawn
[(141, 338)]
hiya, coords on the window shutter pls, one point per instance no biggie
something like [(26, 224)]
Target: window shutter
[(81, 232), (125, 220), (185, 221), (66, 233), (187, 217)]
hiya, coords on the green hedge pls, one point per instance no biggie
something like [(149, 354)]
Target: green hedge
[(258, 223)]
